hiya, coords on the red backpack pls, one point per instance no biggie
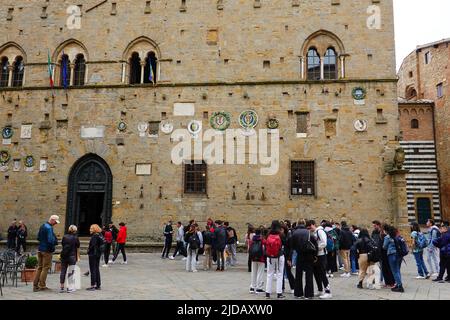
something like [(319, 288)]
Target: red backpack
[(273, 246)]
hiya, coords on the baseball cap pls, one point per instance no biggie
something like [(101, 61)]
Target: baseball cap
[(56, 218)]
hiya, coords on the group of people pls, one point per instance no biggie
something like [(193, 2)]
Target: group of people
[(100, 244), (17, 236), (217, 242), (319, 251), (315, 251)]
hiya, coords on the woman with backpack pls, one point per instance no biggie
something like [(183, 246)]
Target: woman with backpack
[(193, 244), (386, 272), (332, 248), (95, 250), (419, 244), (394, 257), (363, 246), (70, 255), (275, 260), (256, 255)]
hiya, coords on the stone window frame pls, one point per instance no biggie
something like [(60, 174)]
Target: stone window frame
[(143, 47), (12, 52), (71, 48), (202, 183), (440, 90), (322, 41), (303, 166)]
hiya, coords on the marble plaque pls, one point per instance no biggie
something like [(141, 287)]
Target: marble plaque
[(92, 132), (143, 169)]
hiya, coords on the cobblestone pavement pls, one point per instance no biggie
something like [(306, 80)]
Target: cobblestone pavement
[(148, 277)]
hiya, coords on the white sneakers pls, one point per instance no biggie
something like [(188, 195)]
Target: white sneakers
[(420, 278), (319, 294), (346, 275), (194, 270), (105, 266), (326, 296), (124, 262), (171, 258), (184, 259)]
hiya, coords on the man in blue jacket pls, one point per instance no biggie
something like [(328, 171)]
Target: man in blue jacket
[(443, 243), (47, 243)]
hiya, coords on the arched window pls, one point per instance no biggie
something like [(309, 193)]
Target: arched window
[(330, 65), (414, 124), (135, 68), (18, 70), (79, 70), (313, 64), (4, 76), (411, 93), (65, 71), (151, 63)]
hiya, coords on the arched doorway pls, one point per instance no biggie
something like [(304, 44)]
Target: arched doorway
[(89, 196)]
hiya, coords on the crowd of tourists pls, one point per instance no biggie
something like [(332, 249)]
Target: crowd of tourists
[(299, 253)]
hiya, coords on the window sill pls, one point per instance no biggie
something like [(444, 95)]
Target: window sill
[(302, 135)]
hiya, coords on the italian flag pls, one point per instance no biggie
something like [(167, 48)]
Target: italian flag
[(50, 69)]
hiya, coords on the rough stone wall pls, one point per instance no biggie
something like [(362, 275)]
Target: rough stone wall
[(437, 71), (350, 166)]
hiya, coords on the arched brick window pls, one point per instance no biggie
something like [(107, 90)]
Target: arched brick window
[(135, 68), (65, 71), (313, 64), (18, 69), (151, 63), (4, 75), (414, 124), (411, 93), (79, 71), (330, 65)]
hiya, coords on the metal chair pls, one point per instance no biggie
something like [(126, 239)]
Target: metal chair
[(1, 268), (17, 268)]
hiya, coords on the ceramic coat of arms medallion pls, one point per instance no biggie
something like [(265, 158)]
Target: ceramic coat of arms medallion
[(194, 127), (7, 133), (29, 161), (273, 124), (248, 121), (166, 127), (359, 93), (122, 126), (220, 121), (4, 157)]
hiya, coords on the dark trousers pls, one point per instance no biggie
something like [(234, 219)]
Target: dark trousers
[(21, 243), (120, 247), (179, 249), (386, 269), (107, 252), (307, 267), (220, 259), (290, 276), (249, 264), (332, 262), (214, 254), (11, 243), (64, 266), (167, 247), (444, 264), (94, 267), (320, 273)]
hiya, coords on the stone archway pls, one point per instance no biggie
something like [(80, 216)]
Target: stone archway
[(89, 196)]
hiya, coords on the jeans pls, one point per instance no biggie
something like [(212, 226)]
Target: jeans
[(44, 266), (191, 262), (232, 253), (421, 267), (257, 276), (121, 248), (294, 257), (395, 264), (354, 261), (94, 268), (433, 258), (275, 268)]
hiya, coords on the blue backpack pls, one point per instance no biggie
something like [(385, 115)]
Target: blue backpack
[(421, 241), (331, 244)]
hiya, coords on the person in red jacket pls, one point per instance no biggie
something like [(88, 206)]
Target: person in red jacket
[(121, 240), (107, 234)]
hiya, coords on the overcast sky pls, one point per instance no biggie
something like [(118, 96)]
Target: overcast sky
[(419, 22)]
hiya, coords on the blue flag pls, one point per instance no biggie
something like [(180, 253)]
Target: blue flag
[(150, 74), (64, 71)]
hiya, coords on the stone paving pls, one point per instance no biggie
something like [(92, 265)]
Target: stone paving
[(148, 277)]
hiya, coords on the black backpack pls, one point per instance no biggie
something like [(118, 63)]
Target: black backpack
[(373, 253), (256, 251), (194, 241)]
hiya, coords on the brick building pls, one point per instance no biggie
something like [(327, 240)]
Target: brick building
[(98, 146), (425, 74)]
